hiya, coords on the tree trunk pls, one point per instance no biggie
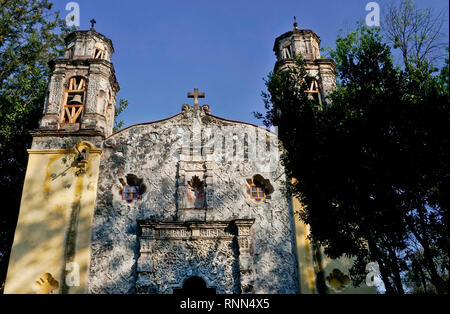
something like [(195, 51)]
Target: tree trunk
[(395, 268), (424, 240), (384, 271)]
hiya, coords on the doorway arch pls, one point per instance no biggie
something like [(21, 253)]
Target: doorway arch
[(194, 285)]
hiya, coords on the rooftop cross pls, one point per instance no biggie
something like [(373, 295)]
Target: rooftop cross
[(92, 23), (196, 95)]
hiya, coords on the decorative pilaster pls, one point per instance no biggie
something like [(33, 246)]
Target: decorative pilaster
[(179, 249), (209, 190), (52, 112), (245, 254), (146, 240)]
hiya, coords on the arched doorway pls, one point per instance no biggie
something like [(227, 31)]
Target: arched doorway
[(194, 286)]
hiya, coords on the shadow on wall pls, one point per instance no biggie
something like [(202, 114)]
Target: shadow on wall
[(43, 243)]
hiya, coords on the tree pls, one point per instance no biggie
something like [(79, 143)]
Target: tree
[(428, 180), (369, 165), (417, 33), (118, 124)]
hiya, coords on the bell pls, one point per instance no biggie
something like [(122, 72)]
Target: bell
[(76, 100)]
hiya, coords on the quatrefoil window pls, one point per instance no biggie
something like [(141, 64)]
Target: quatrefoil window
[(132, 189), (258, 188), (130, 193), (256, 193)]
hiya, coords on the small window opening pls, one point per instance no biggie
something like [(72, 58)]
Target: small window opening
[(256, 193), (99, 51), (70, 52), (313, 90), (258, 188), (286, 51), (75, 95), (133, 189)]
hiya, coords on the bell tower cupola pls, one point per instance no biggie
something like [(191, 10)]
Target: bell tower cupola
[(83, 87), (321, 78)]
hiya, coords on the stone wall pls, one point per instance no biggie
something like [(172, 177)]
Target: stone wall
[(153, 152)]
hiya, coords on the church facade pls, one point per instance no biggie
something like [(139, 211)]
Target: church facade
[(194, 200), (190, 196)]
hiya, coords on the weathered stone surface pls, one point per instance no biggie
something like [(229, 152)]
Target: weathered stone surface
[(263, 261), (53, 141), (99, 99), (305, 43)]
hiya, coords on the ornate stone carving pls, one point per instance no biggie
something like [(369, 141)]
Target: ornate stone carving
[(46, 284), (92, 94), (206, 109), (195, 189), (179, 249), (56, 91)]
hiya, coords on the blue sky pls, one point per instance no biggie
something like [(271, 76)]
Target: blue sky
[(164, 49)]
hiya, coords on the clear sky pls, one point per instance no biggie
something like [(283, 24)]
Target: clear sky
[(165, 48)]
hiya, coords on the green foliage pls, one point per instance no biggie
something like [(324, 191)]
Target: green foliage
[(31, 33), (372, 164), (118, 124), (444, 76), (417, 34)]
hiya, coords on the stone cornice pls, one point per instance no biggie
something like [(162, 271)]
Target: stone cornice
[(87, 33), (186, 229), (55, 63), (78, 62), (64, 133), (61, 151), (326, 61), (295, 32), (315, 62)]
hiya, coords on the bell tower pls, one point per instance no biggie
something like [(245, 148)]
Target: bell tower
[(52, 241), (321, 79), (83, 87)]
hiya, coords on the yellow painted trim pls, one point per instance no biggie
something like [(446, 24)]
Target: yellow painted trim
[(61, 151), (54, 227)]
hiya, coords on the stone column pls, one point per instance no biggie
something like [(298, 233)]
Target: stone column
[(54, 101), (245, 254), (181, 190), (328, 78), (146, 242), (93, 88), (144, 262), (56, 90), (209, 188)]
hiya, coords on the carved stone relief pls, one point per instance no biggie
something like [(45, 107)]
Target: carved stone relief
[(56, 91), (218, 252), (195, 189)]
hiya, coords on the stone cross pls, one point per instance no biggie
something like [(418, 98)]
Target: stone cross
[(92, 23), (196, 95)]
